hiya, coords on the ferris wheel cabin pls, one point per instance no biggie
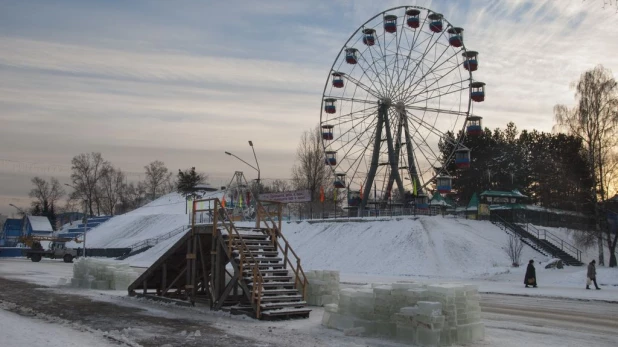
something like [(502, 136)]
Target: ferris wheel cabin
[(351, 55), (471, 60), (390, 23), (369, 37), (462, 158), (354, 198), (413, 18), (444, 184), (329, 105), (327, 132), (477, 91), (331, 158), (455, 37), (436, 22), (474, 126), (339, 180), (337, 79)]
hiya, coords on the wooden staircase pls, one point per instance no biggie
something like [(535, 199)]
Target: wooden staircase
[(266, 280), (263, 264)]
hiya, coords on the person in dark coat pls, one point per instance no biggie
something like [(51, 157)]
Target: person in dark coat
[(530, 279), (592, 275)]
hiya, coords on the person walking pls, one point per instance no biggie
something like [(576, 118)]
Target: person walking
[(592, 275), (530, 279)]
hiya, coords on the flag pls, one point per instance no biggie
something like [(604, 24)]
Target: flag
[(321, 194), (223, 202), (361, 192), (248, 198), (240, 200)]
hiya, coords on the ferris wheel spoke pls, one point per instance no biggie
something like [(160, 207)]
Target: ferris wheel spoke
[(360, 120), (353, 113), (383, 50), (342, 98), (412, 45), (410, 98), (437, 96), (371, 66), (422, 58), (437, 110), (363, 86), (429, 127), (419, 149), (430, 70)]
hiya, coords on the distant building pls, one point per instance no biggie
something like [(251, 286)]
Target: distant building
[(36, 225), (11, 231)]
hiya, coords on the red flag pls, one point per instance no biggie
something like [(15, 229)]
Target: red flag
[(223, 202), (321, 194), (361, 192)]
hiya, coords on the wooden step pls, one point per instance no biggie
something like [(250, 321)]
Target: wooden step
[(264, 266), (270, 278), (262, 260), (289, 311), (252, 242), (278, 291), (268, 248), (278, 272), (274, 305), (247, 237), (257, 253), (282, 298), (274, 284)]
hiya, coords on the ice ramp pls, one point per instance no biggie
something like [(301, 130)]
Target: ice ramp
[(170, 278)]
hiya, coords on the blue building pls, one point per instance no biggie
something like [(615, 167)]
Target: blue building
[(36, 225), (11, 231)]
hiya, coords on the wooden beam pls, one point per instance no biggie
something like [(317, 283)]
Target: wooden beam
[(226, 292), (174, 281)]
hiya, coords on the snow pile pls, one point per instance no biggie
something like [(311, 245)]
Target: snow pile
[(429, 315), (427, 246), (102, 274), (323, 287)]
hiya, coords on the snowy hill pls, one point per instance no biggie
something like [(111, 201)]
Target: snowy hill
[(152, 220), (415, 246)]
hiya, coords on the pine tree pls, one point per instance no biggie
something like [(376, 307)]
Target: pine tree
[(187, 181)]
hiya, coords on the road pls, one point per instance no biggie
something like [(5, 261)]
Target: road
[(548, 321), (510, 320)]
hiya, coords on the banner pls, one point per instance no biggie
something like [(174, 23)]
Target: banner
[(288, 197), (321, 194)]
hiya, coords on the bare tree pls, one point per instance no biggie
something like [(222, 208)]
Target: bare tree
[(309, 171), (157, 178), (110, 186), (86, 174), (132, 196), (513, 249), (277, 186), (594, 119), (46, 193)]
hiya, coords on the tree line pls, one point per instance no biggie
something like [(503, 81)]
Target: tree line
[(100, 188)]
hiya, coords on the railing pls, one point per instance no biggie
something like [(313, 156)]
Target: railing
[(232, 233), (555, 240), (155, 240), (275, 235)]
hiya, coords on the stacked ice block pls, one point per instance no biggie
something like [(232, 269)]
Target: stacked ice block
[(323, 288), (429, 315), (101, 274)]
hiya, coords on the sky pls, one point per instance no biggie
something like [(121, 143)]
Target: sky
[(185, 81)]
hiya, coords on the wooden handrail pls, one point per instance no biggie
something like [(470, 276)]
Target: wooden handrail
[(258, 280), (275, 236)]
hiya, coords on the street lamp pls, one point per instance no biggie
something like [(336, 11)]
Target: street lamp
[(86, 204), (256, 163), (251, 166), (19, 209)]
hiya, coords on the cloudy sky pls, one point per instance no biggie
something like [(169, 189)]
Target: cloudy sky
[(183, 81)]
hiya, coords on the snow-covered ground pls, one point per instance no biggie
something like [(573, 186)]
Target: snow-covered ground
[(19, 331), (428, 249)]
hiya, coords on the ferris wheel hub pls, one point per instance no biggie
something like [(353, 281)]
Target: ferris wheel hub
[(400, 106), (386, 101)]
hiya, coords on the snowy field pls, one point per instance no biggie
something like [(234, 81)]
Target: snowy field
[(426, 249)]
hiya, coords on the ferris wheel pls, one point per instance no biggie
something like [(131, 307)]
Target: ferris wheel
[(398, 86)]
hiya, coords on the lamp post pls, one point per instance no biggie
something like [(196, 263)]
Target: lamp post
[(256, 163), (19, 209), (251, 166), (86, 204)]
